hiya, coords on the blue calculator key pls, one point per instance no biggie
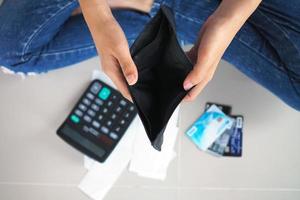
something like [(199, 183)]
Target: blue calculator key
[(104, 93)]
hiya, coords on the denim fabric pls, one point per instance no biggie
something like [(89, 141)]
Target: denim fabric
[(40, 35)]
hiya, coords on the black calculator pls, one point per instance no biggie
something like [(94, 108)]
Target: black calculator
[(98, 121)]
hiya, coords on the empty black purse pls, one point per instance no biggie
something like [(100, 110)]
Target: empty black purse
[(162, 67)]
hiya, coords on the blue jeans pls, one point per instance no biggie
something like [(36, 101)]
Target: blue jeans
[(41, 35)]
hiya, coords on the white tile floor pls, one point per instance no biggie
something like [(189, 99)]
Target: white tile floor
[(36, 164)]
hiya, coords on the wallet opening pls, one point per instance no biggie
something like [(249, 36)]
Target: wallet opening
[(162, 66)]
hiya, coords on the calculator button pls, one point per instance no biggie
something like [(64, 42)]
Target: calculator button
[(100, 117), (78, 113), (94, 132), (75, 119), (109, 103), (96, 124), (105, 110), (82, 107), (86, 101), (91, 113), (114, 97), (95, 107), (87, 118), (131, 108), (90, 96), (113, 135), (113, 116), (104, 129), (95, 88), (123, 103), (109, 123), (126, 115), (117, 129), (122, 122), (118, 109), (104, 93), (99, 102), (86, 129)]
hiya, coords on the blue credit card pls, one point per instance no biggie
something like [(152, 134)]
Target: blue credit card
[(208, 127), (235, 144), (219, 146)]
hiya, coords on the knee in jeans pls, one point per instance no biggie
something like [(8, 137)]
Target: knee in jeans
[(10, 53), (12, 56)]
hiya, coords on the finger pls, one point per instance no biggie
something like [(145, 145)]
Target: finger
[(206, 52), (192, 94), (120, 83), (115, 74), (128, 67), (198, 73)]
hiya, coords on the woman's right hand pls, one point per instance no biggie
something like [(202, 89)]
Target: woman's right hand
[(111, 44)]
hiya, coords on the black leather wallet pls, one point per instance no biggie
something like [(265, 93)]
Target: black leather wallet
[(162, 67)]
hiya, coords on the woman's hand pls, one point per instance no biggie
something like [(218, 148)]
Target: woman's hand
[(214, 37), (111, 44)]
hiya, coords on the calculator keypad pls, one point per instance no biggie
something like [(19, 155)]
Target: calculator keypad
[(103, 114)]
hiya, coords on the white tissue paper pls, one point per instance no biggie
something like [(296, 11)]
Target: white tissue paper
[(134, 149)]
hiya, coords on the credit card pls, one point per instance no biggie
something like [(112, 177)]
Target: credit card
[(225, 108), (235, 144), (208, 127), (219, 146)]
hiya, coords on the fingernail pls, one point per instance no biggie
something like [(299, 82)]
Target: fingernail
[(130, 79), (187, 85)]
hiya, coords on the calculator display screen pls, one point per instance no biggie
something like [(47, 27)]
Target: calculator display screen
[(76, 137)]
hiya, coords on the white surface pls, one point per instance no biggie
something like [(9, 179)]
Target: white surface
[(36, 164)]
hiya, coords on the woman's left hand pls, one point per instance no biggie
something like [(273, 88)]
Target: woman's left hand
[(214, 37)]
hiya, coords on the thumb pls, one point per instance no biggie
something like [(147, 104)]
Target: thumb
[(192, 79), (128, 68)]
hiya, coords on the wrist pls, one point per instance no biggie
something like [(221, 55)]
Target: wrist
[(234, 13), (96, 11)]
